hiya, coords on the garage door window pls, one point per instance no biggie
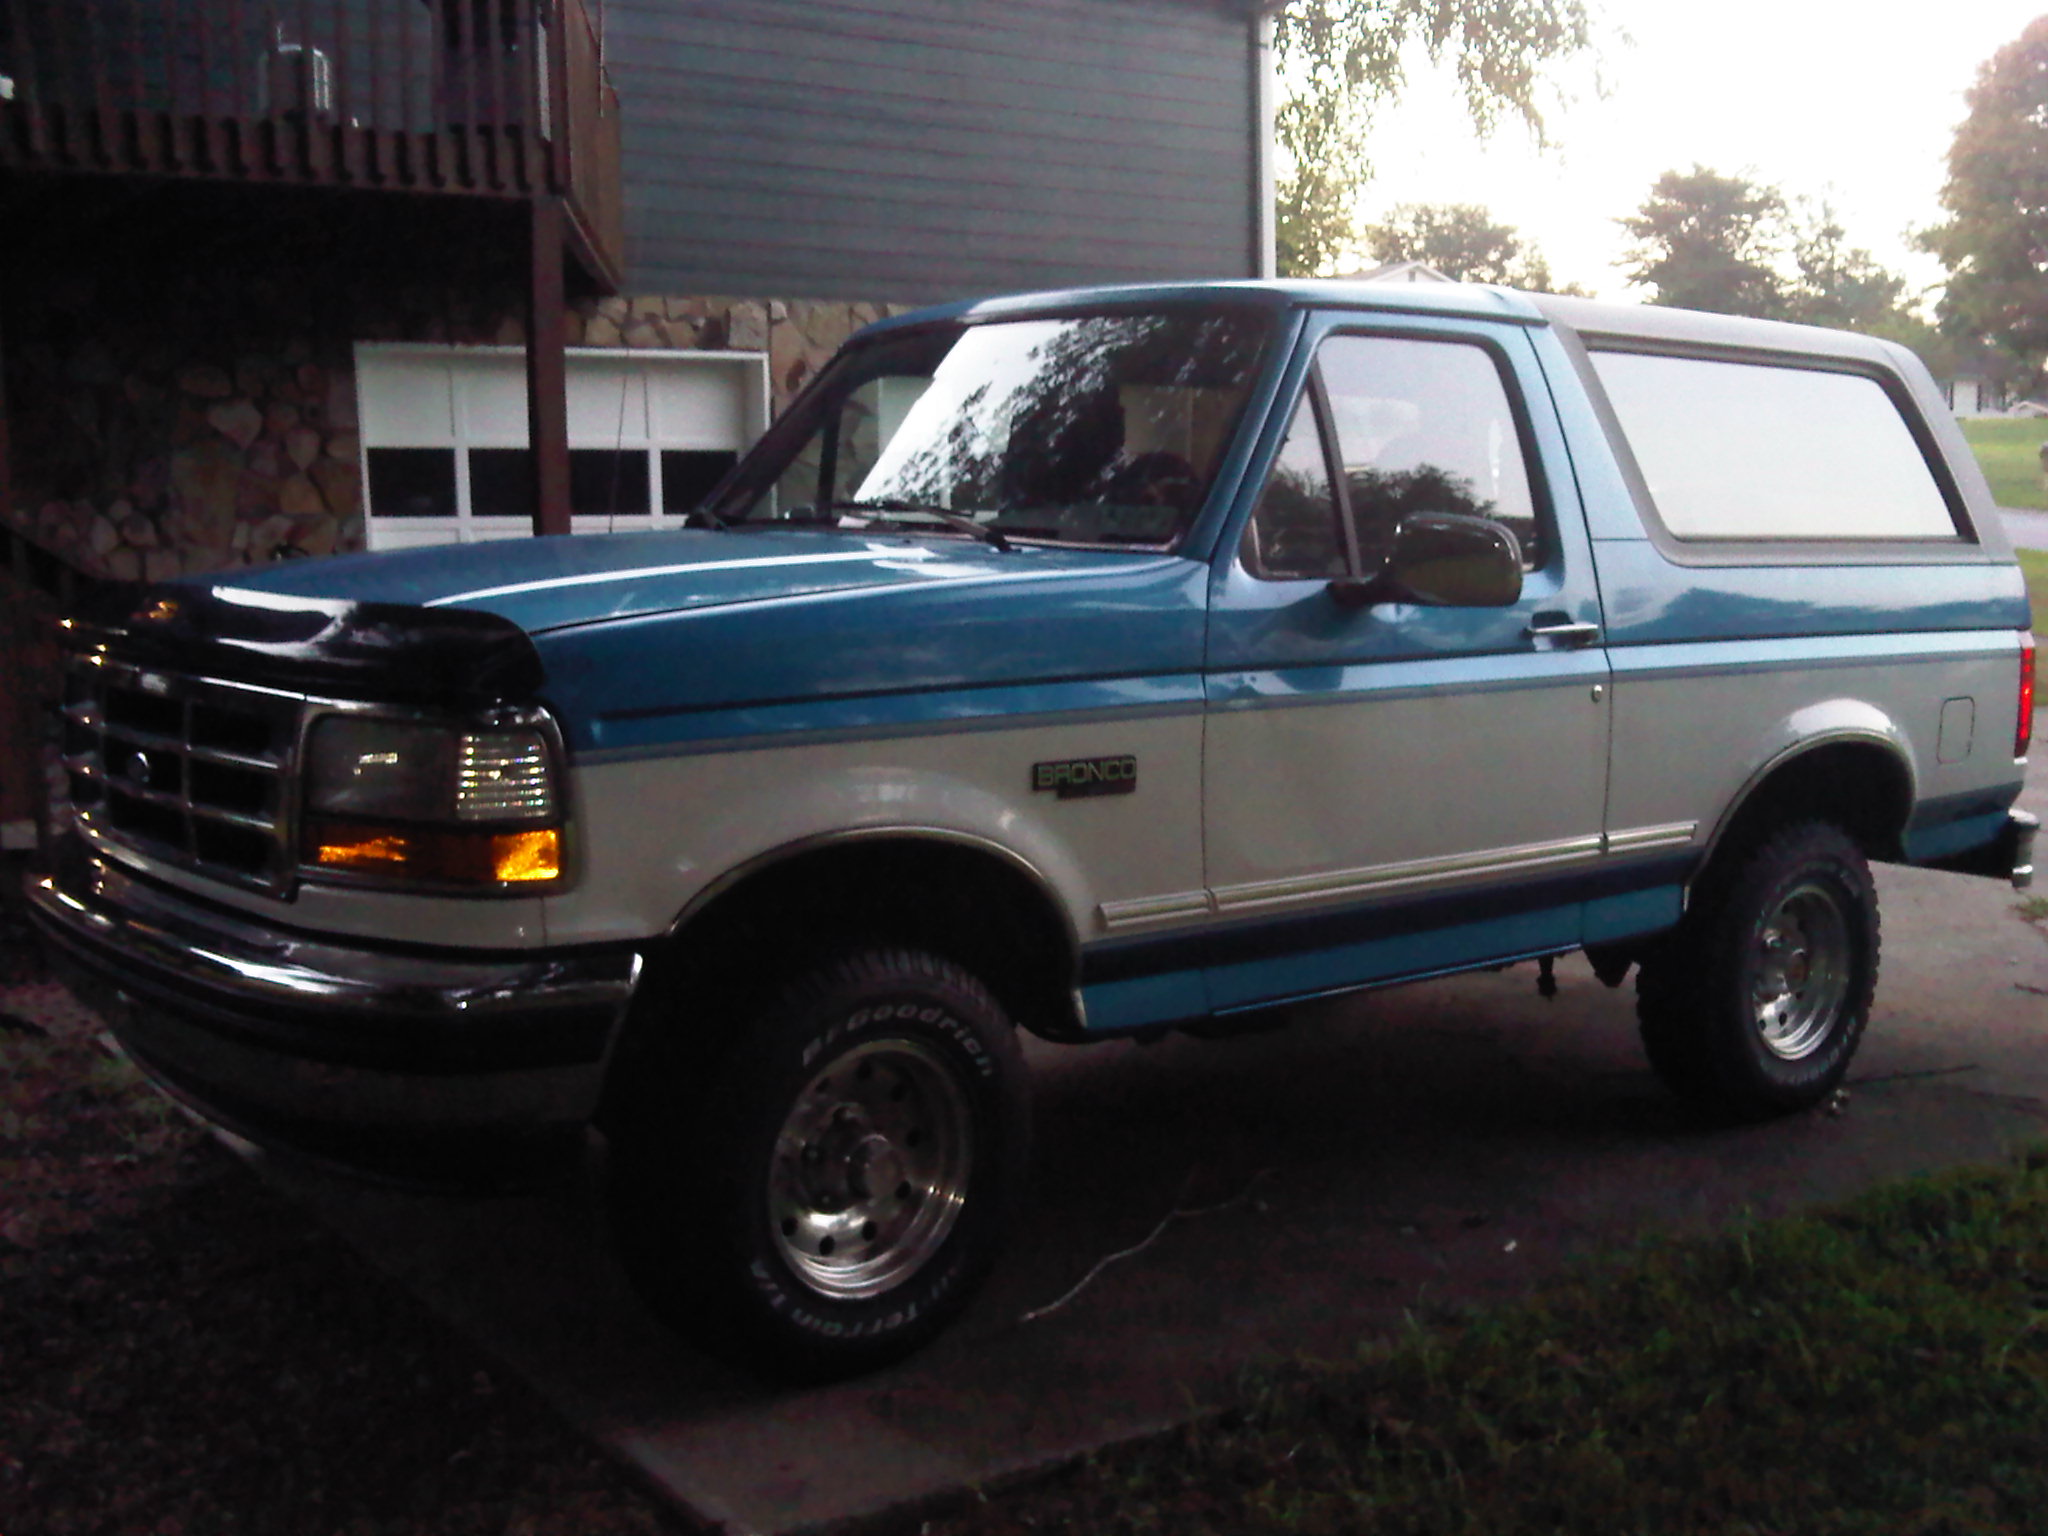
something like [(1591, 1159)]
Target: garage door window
[(445, 457)]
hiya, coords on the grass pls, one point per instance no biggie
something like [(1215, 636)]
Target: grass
[(2010, 451), (2034, 564), (1879, 1368)]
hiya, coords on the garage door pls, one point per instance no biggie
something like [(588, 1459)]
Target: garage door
[(445, 456)]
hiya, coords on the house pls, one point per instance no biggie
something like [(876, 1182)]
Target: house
[(1973, 393), (299, 276), (1397, 272)]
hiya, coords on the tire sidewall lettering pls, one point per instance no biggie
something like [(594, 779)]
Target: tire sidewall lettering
[(929, 1016)]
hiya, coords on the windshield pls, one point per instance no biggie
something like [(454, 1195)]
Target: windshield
[(1083, 429)]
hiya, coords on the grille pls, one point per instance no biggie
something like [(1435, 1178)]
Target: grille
[(185, 769)]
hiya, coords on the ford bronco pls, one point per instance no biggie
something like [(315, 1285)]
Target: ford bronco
[(1079, 663)]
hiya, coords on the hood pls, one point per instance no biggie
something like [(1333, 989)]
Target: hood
[(647, 641), (556, 583)]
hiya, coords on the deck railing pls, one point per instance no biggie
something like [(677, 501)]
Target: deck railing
[(501, 98)]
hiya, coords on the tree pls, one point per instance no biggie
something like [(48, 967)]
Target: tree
[(1837, 284), (1995, 243), (1708, 241), (1338, 58), (1460, 240)]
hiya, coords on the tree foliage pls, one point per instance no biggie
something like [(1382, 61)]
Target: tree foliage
[(1708, 241), (1995, 243), (1339, 58), (1460, 240), (1728, 244)]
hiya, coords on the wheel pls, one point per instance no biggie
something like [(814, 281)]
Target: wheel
[(1755, 1005), (827, 1195)]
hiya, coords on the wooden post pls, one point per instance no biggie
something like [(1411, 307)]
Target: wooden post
[(547, 369), (7, 281)]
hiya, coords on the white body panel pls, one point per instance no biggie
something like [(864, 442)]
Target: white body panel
[(1393, 774), (655, 833), (1690, 734)]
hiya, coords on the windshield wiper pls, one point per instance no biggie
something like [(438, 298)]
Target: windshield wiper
[(880, 511)]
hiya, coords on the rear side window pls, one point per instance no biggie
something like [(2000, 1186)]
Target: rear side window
[(1750, 451)]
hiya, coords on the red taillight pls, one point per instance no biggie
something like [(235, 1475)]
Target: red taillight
[(2024, 736)]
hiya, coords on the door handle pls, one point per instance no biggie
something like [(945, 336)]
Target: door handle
[(1561, 629)]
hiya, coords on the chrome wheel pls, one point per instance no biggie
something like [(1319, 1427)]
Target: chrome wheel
[(870, 1169), (1802, 968)]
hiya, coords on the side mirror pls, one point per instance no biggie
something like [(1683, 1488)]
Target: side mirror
[(1442, 560)]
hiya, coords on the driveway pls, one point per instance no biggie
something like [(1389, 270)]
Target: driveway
[(1444, 1143), (2029, 530)]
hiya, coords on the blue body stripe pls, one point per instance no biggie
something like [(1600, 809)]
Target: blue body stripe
[(1219, 968), (1650, 600), (678, 732)]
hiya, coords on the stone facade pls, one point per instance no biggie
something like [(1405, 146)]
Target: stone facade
[(148, 447)]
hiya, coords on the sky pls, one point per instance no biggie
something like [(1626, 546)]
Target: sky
[(1821, 98)]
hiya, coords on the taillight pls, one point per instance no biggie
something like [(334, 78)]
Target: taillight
[(2023, 737)]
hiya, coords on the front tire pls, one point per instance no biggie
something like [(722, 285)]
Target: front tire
[(1754, 1007), (829, 1193)]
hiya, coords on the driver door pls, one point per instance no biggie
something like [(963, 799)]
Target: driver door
[(1393, 790)]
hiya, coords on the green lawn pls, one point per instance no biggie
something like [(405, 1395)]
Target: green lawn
[(2035, 563), (1876, 1370), (2010, 452)]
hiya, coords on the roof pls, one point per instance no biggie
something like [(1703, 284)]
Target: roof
[(1691, 327), (1585, 317)]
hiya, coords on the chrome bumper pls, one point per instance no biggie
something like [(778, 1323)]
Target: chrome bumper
[(407, 1063)]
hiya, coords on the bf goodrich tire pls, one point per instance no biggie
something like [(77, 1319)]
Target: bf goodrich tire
[(1754, 1007), (831, 1191)]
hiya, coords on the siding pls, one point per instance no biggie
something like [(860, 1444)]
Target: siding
[(925, 149)]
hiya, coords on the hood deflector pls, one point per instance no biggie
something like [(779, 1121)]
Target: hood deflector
[(380, 652)]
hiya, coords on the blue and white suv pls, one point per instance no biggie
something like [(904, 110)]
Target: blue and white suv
[(1083, 663)]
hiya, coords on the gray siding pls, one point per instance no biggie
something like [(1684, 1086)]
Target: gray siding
[(923, 149)]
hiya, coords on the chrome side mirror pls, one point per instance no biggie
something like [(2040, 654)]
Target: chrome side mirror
[(1442, 560)]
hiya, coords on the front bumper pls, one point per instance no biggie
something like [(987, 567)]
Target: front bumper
[(445, 1066)]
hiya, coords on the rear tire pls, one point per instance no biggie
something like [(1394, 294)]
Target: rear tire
[(826, 1194), (1754, 1007)]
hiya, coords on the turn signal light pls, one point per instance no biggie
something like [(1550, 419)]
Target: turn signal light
[(436, 855)]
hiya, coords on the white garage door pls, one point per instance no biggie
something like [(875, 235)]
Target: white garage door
[(444, 438)]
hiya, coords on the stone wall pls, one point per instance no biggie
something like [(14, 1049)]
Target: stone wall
[(150, 445)]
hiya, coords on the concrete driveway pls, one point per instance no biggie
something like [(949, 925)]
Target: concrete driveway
[(1444, 1143), (2029, 530)]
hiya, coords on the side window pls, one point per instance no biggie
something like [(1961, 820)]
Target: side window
[(1425, 426), (1294, 532), (1734, 450)]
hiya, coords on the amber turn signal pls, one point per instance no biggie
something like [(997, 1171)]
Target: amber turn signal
[(435, 855)]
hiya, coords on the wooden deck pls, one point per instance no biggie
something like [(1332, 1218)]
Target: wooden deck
[(489, 98)]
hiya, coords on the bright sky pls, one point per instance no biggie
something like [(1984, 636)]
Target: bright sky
[(1823, 98)]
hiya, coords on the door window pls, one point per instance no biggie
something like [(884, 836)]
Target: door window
[(1417, 426)]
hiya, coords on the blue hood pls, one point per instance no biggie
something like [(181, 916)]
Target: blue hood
[(651, 641), (545, 584)]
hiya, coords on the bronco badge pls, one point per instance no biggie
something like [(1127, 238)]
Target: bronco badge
[(1082, 777)]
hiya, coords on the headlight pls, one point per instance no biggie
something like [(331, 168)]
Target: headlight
[(439, 804)]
